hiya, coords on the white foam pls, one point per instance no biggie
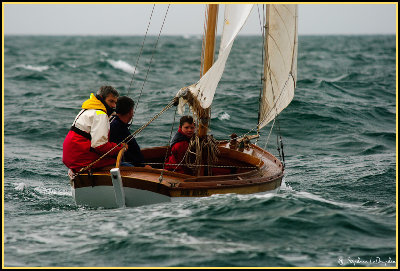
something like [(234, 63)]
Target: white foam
[(20, 186), (285, 186), (224, 116), (308, 195), (122, 65), (49, 191), (34, 68)]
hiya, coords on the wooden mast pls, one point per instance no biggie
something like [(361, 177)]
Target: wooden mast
[(209, 49), (208, 61)]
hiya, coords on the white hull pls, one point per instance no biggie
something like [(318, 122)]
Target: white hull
[(104, 196)]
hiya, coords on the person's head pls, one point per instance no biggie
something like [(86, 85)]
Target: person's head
[(109, 95), (124, 108), (187, 125)]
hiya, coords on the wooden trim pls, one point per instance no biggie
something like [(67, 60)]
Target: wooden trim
[(119, 158)]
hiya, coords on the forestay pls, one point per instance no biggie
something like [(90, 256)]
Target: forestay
[(280, 63), (235, 17)]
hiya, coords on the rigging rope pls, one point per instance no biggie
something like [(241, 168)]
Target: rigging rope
[(151, 60), (141, 50), (169, 145), (266, 143)]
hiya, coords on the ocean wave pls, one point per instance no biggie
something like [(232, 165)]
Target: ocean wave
[(33, 68), (52, 191), (339, 194), (73, 66), (382, 136), (224, 116), (20, 186), (39, 197), (373, 150), (32, 76), (35, 129), (41, 190), (123, 66)]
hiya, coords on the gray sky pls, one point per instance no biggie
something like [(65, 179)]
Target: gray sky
[(185, 19)]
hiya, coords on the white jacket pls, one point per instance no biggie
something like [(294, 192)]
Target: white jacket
[(94, 122)]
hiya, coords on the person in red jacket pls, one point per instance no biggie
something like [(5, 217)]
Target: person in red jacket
[(88, 138), (179, 145)]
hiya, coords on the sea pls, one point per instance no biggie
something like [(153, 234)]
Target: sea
[(338, 202)]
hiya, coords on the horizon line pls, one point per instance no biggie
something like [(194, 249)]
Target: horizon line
[(184, 35)]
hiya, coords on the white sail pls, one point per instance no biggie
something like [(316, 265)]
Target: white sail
[(234, 18), (280, 63)]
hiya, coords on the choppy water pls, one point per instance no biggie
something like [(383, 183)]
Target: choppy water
[(336, 208)]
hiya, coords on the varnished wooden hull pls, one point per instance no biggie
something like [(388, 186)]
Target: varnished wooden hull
[(142, 186)]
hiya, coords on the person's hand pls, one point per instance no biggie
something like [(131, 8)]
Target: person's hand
[(176, 101)]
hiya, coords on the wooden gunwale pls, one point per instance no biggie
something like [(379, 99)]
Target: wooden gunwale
[(147, 179)]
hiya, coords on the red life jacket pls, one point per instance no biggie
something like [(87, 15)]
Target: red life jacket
[(179, 146)]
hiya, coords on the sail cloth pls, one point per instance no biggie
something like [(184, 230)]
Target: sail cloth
[(235, 17), (280, 62)]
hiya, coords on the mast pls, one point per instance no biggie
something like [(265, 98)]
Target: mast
[(265, 61), (264, 52), (209, 49)]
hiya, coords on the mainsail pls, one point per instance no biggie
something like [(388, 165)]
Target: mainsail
[(280, 63)]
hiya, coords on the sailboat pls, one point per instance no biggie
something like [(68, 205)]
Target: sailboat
[(248, 168)]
